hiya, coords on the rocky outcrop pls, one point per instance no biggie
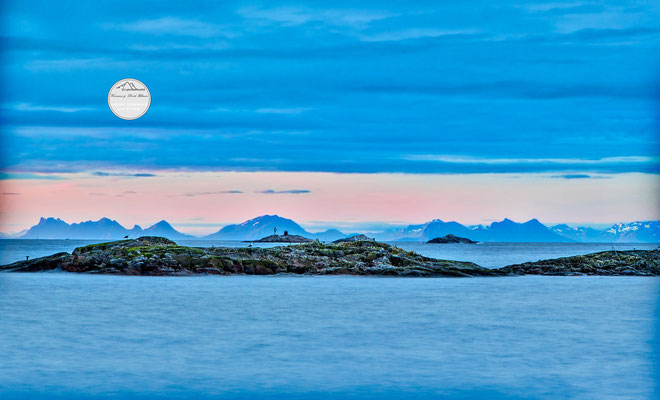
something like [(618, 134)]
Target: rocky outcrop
[(354, 238), (632, 262), (451, 239), (37, 264), (159, 256), (282, 239)]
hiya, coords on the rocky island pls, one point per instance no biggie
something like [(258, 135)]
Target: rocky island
[(160, 256), (621, 263), (286, 238), (451, 239), (355, 238)]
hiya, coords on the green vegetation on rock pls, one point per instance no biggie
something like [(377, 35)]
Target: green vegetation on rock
[(160, 256)]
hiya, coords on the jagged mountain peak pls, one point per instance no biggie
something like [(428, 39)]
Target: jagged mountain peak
[(562, 226), (49, 219), (259, 227), (104, 228), (162, 223), (506, 230)]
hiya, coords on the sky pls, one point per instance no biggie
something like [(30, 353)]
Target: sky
[(349, 114)]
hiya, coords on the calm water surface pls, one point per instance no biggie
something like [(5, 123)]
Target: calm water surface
[(87, 336), (70, 336)]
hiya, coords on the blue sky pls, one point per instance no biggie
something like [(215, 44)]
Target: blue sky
[(334, 86), (553, 94)]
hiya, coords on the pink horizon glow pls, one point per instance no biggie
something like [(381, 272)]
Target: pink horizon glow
[(194, 203)]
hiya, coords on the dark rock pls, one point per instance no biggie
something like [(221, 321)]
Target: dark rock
[(355, 238), (451, 239), (37, 264), (632, 262), (159, 256), (282, 239), (139, 242)]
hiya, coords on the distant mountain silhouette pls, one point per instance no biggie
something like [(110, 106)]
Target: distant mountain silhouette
[(16, 235), (633, 232), (329, 236), (164, 229), (262, 226), (504, 231), (48, 228), (439, 228), (510, 231), (105, 228), (640, 231), (102, 229), (258, 228), (578, 234)]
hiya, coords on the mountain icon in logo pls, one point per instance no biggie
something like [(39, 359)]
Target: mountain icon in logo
[(129, 99), (128, 86)]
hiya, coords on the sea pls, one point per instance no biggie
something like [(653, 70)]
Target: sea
[(76, 336)]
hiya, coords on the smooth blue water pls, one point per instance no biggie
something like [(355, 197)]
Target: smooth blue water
[(89, 336), (488, 255)]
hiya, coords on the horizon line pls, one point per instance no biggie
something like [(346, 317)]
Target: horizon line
[(343, 225)]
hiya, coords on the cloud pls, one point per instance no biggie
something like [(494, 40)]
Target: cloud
[(96, 194), (294, 16), (293, 191), (126, 174), (26, 176), (212, 193), (555, 9), (595, 34), (172, 26), (514, 89), (414, 33), (579, 176), (295, 110), (67, 64), (64, 109), (456, 159), (10, 194), (384, 81)]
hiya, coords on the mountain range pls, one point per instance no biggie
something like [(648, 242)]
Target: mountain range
[(256, 228), (105, 228), (504, 231)]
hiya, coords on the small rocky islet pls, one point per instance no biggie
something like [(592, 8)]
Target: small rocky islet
[(451, 239), (355, 238), (156, 256), (286, 238)]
